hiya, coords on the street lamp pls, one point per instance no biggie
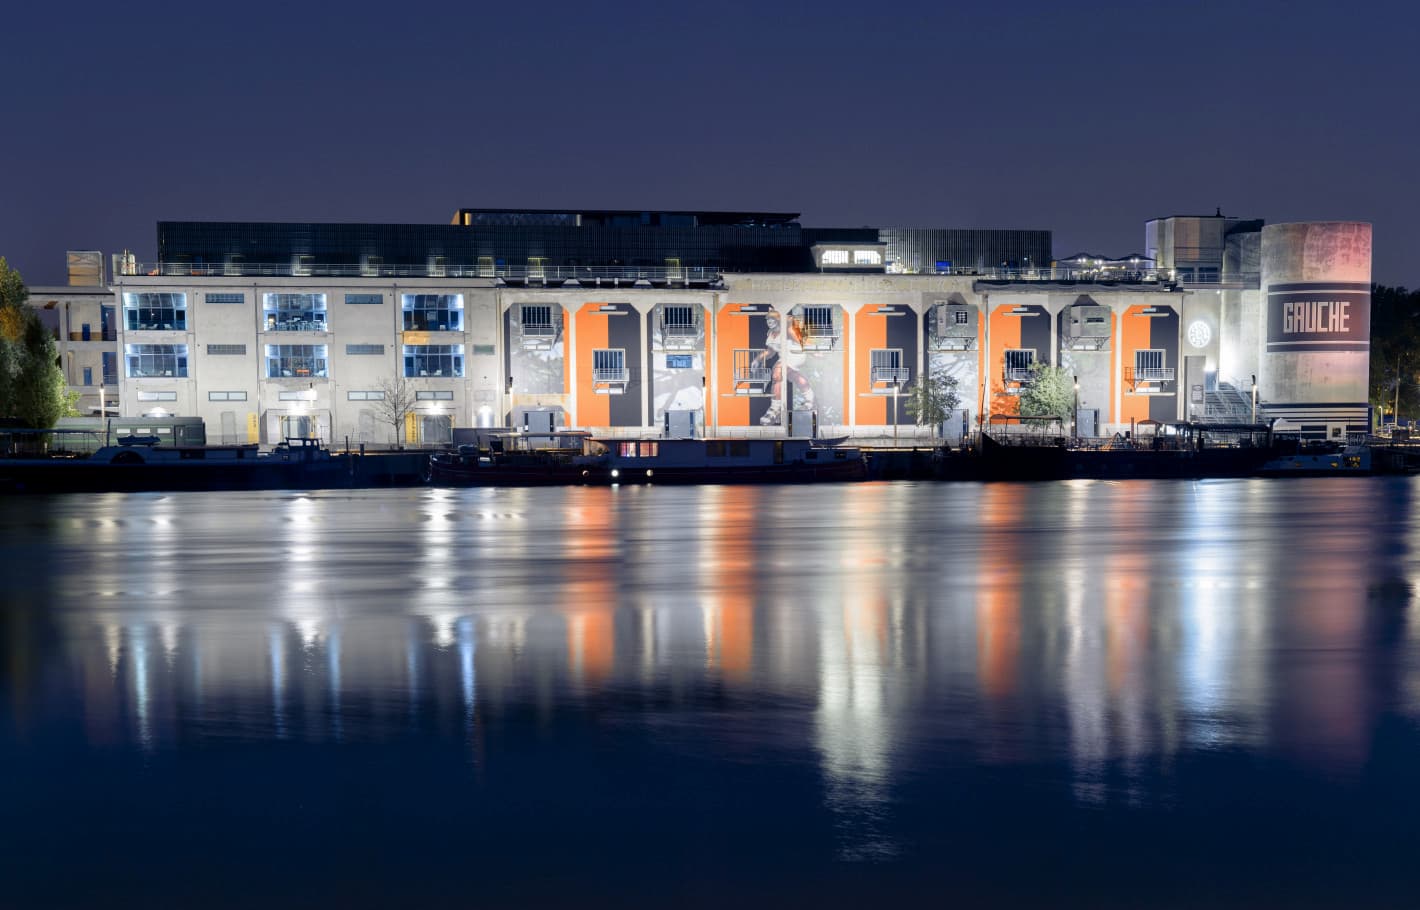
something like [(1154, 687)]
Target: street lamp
[(1075, 422)]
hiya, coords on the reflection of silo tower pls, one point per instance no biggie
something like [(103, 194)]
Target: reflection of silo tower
[(1315, 359)]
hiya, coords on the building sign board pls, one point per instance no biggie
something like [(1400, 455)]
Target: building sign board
[(1310, 317)]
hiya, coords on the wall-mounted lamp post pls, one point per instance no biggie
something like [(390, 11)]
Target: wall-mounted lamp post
[(1254, 398)]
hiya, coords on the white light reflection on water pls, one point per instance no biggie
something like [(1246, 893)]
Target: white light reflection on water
[(888, 632)]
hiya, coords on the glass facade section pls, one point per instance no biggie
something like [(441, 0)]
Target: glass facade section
[(294, 312), (144, 361), (433, 360), (153, 312), (296, 361), (432, 312)]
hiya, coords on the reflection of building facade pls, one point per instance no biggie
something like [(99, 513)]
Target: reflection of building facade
[(754, 325)]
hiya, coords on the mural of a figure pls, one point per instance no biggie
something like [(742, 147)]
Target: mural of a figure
[(784, 368)]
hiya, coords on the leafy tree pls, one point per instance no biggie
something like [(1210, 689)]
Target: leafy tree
[(1050, 393), (397, 404), (32, 386), (932, 398), (1395, 349)]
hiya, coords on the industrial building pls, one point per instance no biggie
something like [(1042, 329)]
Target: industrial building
[(739, 323)]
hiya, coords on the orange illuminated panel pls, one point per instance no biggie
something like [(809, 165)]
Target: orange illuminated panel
[(733, 330), (590, 332), (872, 333), (1005, 336), (1135, 336)]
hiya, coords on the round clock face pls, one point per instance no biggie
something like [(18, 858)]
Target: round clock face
[(1199, 334)]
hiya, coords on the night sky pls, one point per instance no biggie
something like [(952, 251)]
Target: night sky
[(1086, 119)]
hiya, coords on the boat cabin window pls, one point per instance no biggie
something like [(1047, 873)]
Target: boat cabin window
[(637, 449), (739, 449)]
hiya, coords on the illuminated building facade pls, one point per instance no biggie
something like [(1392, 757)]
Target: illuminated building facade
[(615, 322)]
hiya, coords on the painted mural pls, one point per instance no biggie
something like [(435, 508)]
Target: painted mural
[(533, 335), (677, 358)]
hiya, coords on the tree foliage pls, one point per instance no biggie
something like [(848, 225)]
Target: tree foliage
[(398, 402), (32, 386), (1395, 349), (1050, 393), (931, 400)]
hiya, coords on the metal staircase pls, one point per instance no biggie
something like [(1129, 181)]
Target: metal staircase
[(1228, 404)]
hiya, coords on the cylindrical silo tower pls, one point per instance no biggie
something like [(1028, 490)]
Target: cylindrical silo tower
[(1315, 358)]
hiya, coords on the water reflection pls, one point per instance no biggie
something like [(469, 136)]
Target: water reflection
[(884, 633)]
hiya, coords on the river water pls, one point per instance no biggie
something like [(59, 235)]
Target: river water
[(1073, 694)]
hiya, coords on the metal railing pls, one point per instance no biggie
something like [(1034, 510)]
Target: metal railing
[(1019, 374), (1149, 374), (681, 330), (611, 374), (547, 274), (892, 375), (753, 374)]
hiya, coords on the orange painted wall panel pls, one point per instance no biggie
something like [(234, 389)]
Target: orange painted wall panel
[(590, 332), (1135, 336), (872, 333), (1005, 335), (733, 332)]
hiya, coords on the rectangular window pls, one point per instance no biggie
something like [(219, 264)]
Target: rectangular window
[(536, 319), (224, 298), (887, 366), (226, 349), (867, 257), (226, 396), (680, 361), (1149, 367), (157, 396), (296, 361), (609, 365), (432, 312), (88, 375), (739, 449), (1018, 364), (110, 368), (365, 299), (364, 349), (678, 318), (146, 361), (153, 312), (302, 395), (961, 317), (715, 448), (835, 257), (294, 312), (437, 395), (369, 395), (433, 360)]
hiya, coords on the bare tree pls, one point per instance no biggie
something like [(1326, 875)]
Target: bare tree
[(397, 403)]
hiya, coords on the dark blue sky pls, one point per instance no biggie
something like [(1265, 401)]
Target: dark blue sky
[(1085, 119)]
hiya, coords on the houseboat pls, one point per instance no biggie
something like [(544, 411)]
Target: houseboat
[(722, 461), (511, 459), (140, 464)]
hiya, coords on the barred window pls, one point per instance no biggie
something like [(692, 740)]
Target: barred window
[(365, 298), (226, 349), (364, 349), (224, 298)]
